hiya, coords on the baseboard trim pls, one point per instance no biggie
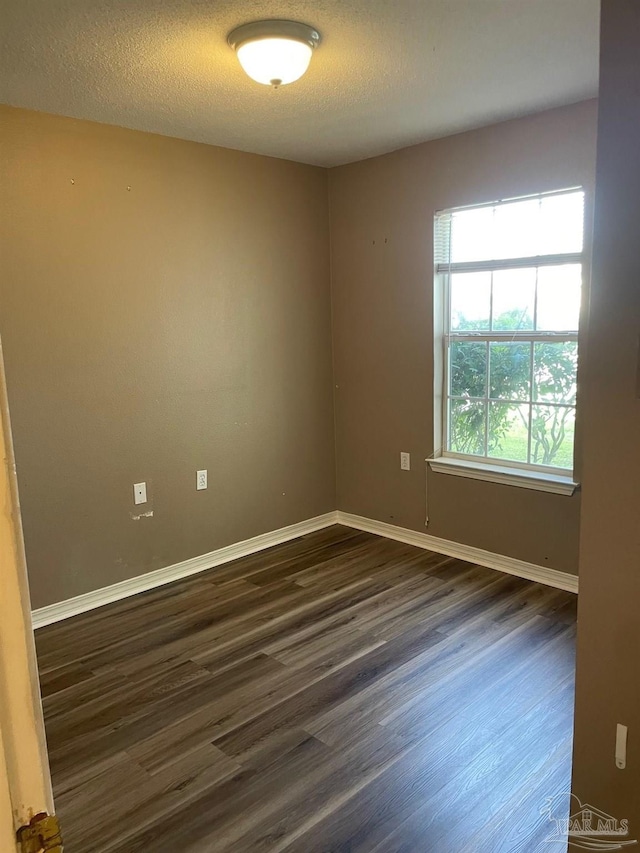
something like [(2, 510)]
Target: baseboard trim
[(529, 571), (99, 597)]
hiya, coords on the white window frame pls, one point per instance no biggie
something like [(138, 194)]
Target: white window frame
[(522, 474)]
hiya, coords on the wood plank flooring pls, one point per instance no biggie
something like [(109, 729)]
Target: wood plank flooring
[(340, 692)]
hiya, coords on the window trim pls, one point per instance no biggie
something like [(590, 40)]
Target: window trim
[(508, 475), (523, 475)]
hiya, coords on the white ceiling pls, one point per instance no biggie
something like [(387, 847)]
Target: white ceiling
[(389, 73)]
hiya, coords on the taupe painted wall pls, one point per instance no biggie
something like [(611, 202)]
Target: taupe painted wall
[(183, 323), (382, 273), (165, 306), (608, 623)]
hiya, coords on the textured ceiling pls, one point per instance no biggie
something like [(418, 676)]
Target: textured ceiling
[(388, 73)]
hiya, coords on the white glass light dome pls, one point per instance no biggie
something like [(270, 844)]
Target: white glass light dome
[(274, 61), (274, 52)]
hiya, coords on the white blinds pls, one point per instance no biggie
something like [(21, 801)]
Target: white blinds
[(534, 231)]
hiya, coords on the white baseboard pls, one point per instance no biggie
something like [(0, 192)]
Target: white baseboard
[(530, 571), (97, 598)]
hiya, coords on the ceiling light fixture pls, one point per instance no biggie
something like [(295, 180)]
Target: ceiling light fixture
[(274, 52)]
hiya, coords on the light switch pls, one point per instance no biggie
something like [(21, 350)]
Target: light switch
[(621, 746)]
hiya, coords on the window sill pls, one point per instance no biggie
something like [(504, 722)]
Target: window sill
[(559, 484)]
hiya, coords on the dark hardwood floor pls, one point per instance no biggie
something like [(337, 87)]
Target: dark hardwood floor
[(340, 692)]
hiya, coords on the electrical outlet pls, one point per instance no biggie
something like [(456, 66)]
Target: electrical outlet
[(201, 480), (405, 461), (139, 493)]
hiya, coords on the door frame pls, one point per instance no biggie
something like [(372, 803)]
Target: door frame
[(25, 779)]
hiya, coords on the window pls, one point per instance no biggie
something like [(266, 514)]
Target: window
[(508, 284)]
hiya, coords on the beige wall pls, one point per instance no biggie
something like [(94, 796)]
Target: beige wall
[(382, 271), (165, 307), (608, 635), (183, 323)]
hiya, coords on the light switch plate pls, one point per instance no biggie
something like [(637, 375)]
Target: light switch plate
[(621, 746)]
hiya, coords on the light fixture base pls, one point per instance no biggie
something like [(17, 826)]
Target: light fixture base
[(274, 29)]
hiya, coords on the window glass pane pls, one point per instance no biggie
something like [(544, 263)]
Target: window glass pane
[(470, 300), (552, 430), (559, 290), (513, 299), (472, 235), (517, 227), (467, 425), (554, 372), (510, 398), (561, 223), (468, 369), (508, 431), (510, 371)]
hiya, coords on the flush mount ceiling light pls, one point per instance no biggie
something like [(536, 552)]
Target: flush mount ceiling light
[(274, 52)]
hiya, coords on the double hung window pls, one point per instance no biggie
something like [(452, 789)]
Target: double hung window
[(509, 275)]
